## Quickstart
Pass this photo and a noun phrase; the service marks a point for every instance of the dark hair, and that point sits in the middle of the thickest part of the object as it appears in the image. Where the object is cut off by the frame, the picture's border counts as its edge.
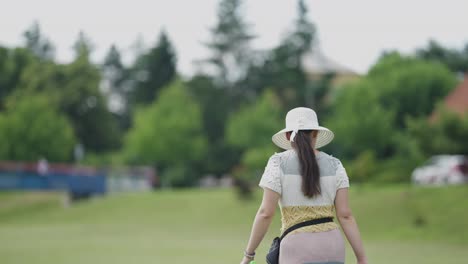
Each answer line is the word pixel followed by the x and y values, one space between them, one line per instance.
pixel 309 168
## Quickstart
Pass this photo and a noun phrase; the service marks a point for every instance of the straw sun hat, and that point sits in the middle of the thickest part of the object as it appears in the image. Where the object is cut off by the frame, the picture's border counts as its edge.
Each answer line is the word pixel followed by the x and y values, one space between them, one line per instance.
pixel 302 118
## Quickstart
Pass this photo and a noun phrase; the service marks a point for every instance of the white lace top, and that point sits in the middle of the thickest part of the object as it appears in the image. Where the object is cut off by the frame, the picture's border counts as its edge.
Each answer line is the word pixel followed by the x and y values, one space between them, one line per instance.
pixel 282 175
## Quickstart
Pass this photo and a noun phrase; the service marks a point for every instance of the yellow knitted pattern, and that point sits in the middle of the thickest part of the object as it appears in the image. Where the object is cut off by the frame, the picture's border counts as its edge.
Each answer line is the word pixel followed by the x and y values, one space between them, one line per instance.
pixel 291 215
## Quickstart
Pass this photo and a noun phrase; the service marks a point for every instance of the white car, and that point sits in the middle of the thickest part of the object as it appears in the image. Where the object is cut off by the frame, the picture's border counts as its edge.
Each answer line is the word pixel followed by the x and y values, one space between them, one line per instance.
pixel 442 169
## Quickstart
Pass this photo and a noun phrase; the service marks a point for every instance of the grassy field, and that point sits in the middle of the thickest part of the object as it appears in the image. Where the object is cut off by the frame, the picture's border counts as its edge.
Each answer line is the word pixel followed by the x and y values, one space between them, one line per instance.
pixel 400 224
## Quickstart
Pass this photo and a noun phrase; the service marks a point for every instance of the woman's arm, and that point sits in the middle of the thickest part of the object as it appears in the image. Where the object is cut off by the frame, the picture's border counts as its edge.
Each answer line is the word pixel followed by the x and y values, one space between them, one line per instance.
pixel 262 220
pixel 349 225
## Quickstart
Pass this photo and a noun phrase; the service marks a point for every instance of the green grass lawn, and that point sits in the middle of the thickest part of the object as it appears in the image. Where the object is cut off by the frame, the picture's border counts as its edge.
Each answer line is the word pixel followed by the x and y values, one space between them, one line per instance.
pixel 400 224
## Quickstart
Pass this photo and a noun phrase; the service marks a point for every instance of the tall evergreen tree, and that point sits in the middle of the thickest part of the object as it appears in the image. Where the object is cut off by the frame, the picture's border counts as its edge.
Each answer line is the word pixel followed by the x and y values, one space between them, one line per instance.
pixel 153 70
pixel 229 44
pixel 303 35
pixel 114 68
pixel 37 43
pixel 115 85
pixel 81 99
pixel 281 69
pixel 83 46
pixel 213 102
pixel 289 55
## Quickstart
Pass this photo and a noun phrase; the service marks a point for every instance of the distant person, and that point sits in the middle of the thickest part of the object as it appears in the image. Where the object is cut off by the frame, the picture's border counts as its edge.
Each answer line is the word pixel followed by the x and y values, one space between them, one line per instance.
pixel 309 185
pixel 42 167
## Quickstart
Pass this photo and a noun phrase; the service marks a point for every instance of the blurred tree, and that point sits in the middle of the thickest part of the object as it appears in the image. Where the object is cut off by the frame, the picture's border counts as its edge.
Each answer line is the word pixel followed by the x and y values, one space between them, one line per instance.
pixel 114 72
pixel 364 167
pixel 168 133
pixel 455 60
pixel 213 100
pixel 138 46
pixel 246 130
pixel 37 43
pixel 230 55
pixel 318 92
pixel 360 122
pixel 446 135
pixel 81 100
pixel 116 86
pixel 32 128
pixel 370 114
pixel 282 69
pixel 260 118
pixel 153 70
pixel 229 45
pixel 74 88
pixel 301 38
pixel 409 86
pixel 82 46
pixel 13 63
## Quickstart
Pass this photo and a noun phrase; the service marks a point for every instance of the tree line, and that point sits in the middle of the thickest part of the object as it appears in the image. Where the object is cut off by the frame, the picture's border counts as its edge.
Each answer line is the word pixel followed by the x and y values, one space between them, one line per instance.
pixel 220 120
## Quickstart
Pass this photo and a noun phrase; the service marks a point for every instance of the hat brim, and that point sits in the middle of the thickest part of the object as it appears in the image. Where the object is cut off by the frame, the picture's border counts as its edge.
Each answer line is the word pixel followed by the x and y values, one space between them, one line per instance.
pixel 324 137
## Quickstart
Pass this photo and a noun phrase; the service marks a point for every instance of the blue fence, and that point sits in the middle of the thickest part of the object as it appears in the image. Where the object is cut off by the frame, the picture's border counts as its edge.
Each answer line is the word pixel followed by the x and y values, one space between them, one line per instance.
pixel 78 180
pixel 75 184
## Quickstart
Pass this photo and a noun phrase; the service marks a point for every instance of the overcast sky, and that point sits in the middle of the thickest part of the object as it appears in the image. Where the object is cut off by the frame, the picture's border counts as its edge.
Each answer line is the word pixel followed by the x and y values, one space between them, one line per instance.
pixel 353 33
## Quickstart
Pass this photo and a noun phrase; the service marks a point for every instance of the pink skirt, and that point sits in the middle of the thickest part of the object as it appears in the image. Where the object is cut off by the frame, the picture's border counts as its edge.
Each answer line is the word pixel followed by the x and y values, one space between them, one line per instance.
pixel 313 248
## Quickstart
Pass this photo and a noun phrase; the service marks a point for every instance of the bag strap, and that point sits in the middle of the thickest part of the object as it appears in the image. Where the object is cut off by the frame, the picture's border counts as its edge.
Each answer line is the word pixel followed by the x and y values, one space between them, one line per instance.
pixel 307 223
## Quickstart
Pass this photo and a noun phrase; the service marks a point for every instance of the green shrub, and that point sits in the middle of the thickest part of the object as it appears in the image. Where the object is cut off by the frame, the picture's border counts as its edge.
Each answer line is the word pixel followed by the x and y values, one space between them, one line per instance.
pixel 363 168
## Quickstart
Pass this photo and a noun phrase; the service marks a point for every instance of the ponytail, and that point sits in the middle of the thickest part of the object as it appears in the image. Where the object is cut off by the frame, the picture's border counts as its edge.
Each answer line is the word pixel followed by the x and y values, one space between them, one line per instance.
pixel 309 168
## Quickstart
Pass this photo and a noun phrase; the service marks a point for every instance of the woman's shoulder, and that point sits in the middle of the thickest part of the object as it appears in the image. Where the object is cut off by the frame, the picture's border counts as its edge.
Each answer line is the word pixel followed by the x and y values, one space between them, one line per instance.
pixel 283 156
pixel 329 160
pixel 279 159
pixel 292 153
pixel 327 156
pixel 284 153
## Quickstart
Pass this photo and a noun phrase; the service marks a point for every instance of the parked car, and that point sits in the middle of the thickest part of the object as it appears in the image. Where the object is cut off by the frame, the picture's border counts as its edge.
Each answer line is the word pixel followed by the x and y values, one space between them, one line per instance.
pixel 442 169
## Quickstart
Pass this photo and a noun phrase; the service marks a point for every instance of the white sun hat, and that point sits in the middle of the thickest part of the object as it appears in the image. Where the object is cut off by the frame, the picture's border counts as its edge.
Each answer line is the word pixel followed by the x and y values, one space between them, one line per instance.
pixel 302 118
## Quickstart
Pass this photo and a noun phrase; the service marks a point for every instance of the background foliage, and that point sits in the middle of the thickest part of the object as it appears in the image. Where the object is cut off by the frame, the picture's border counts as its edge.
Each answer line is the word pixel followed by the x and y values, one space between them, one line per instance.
pixel 220 120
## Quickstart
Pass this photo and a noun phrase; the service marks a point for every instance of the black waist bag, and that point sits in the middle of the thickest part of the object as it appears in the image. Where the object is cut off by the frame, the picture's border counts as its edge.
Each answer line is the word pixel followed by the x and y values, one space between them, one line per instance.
pixel 273 255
